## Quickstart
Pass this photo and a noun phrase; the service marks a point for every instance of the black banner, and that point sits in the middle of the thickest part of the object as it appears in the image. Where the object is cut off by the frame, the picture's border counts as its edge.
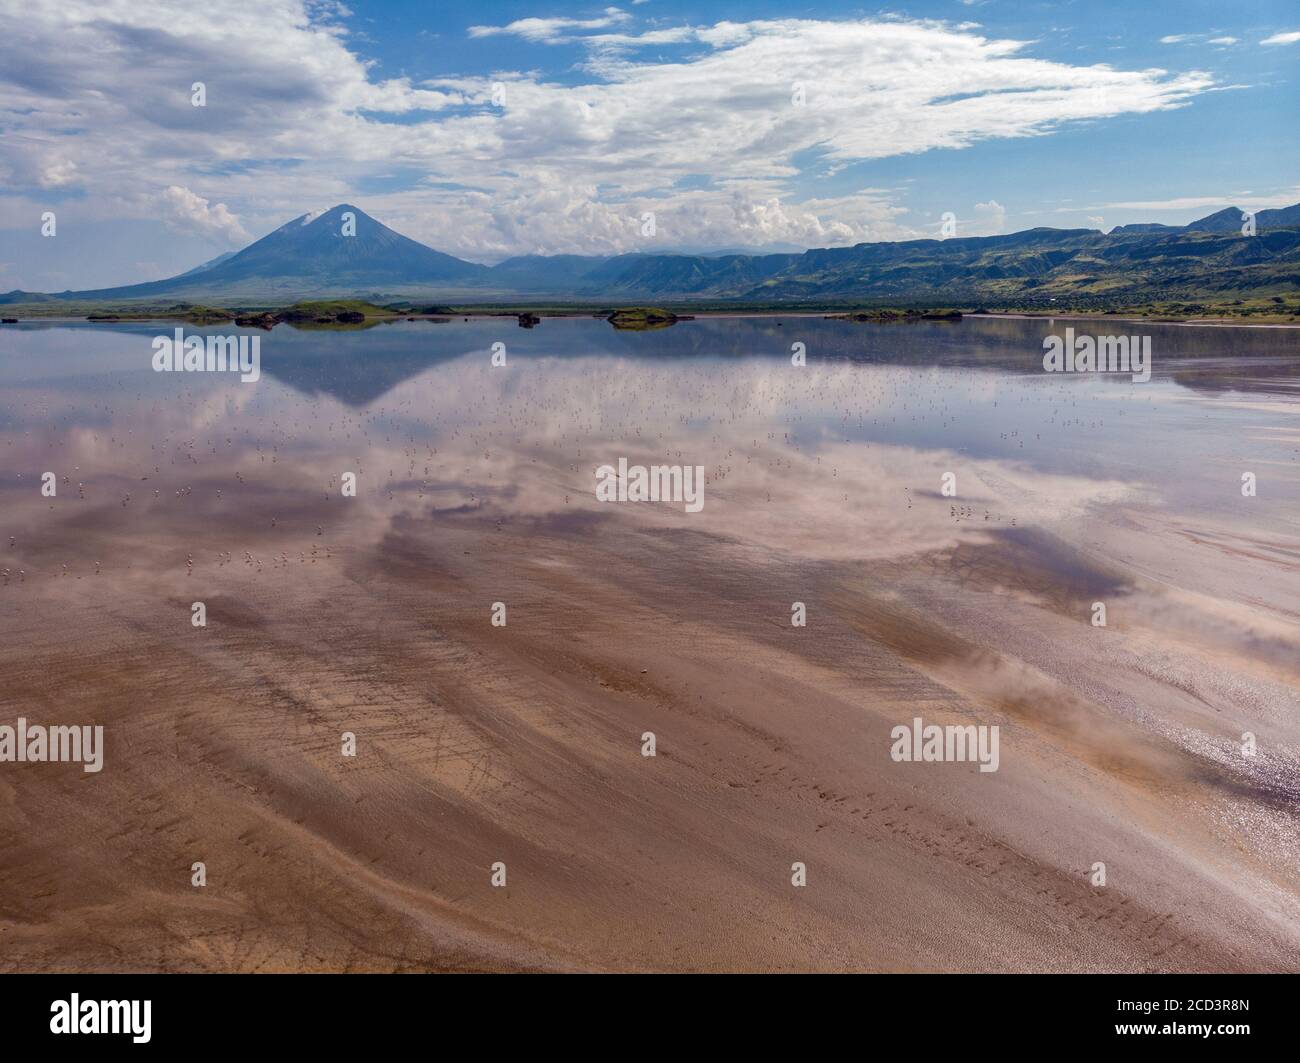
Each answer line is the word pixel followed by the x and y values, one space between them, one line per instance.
pixel 985 1013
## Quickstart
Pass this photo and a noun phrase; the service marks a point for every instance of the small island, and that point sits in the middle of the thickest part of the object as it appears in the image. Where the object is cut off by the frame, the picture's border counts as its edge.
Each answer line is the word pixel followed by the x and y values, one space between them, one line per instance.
pixel 331 313
pixel 888 315
pixel 642 318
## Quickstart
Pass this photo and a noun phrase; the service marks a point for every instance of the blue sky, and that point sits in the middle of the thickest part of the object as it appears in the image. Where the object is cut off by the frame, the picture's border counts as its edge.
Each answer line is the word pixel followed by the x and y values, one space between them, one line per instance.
pixel 492 129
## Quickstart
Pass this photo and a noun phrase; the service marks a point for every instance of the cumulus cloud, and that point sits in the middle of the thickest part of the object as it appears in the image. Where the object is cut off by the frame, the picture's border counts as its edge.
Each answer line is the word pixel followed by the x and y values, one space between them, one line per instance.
pixel 991 218
pixel 1282 38
pixel 189 212
pixel 97 95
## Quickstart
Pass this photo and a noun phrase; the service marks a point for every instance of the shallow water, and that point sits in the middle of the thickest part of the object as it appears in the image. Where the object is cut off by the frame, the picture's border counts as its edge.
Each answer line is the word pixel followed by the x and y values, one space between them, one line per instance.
pixel 824 484
pixel 1220 399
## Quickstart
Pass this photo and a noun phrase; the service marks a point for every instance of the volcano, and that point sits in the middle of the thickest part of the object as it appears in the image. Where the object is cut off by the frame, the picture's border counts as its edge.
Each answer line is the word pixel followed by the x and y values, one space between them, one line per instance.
pixel 339 251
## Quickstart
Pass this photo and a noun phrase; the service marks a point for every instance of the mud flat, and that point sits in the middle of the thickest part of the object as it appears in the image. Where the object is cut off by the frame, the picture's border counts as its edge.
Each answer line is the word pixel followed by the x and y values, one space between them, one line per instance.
pixel 522 744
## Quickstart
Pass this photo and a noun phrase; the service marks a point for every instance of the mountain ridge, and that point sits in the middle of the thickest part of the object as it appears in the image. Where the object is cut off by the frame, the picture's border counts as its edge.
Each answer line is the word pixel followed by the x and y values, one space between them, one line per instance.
pixel 344 251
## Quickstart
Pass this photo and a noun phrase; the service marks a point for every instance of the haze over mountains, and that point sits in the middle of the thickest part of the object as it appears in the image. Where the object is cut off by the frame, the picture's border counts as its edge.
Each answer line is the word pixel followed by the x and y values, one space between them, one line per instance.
pixel 312 256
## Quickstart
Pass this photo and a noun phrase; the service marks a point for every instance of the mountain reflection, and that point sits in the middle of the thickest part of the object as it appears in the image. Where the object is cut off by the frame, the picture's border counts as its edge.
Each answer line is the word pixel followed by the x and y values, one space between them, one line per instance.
pixel 357 367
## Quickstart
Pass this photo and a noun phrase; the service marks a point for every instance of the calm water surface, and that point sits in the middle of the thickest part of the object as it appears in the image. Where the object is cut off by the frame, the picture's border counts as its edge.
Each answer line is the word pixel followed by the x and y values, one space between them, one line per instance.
pixel 1221 401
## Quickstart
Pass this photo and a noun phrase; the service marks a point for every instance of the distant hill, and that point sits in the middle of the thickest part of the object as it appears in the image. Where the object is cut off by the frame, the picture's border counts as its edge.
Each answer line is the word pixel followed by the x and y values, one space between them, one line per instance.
pixel 1208 258
pixel 1229 220
pixel 314 249
pixel 544 271
pixel 1145 227
pixel 310 257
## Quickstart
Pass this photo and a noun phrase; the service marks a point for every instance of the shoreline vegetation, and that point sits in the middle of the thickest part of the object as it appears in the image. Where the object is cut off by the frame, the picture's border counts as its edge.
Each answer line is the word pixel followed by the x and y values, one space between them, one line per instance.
pixel 644 318
pixel 890 315
pixel 361 313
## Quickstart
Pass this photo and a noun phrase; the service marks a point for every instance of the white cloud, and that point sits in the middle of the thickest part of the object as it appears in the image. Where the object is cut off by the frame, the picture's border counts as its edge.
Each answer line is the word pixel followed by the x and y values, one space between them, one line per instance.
pixel 183 209
pixel 1213 201
pixel 991 218
pixel 57 173
pixel 551 30
pixel 1282 38
pixel 1186 38
pixel 97 98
